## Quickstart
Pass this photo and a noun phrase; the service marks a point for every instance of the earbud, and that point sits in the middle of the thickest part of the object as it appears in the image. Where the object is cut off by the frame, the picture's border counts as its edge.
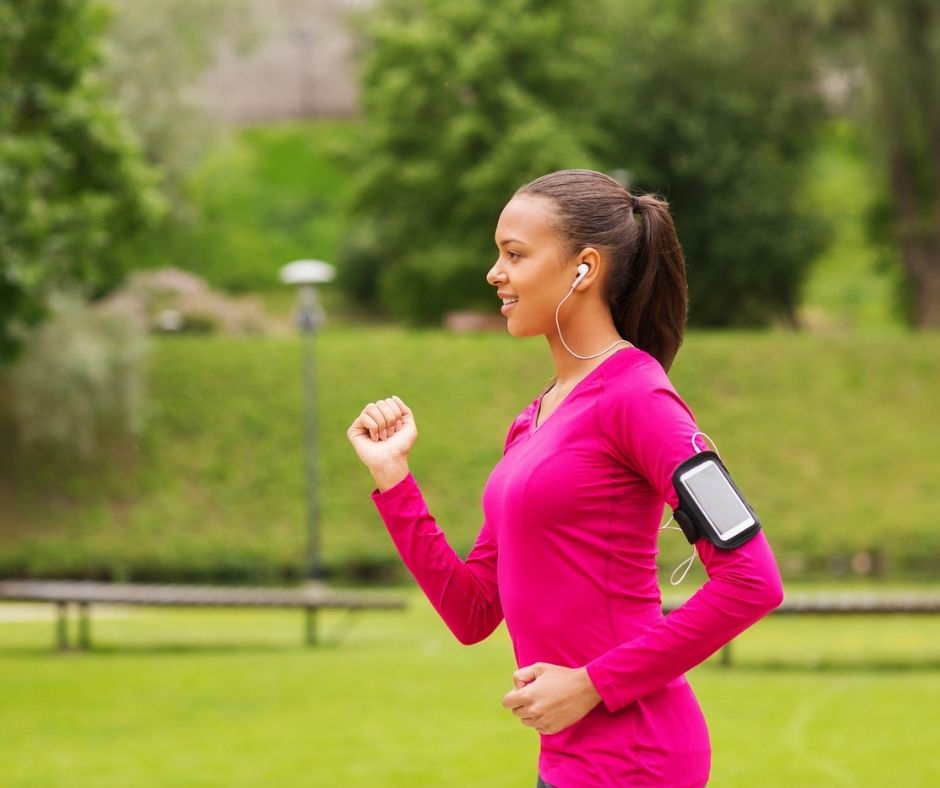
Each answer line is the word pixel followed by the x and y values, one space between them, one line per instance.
pixel 582 272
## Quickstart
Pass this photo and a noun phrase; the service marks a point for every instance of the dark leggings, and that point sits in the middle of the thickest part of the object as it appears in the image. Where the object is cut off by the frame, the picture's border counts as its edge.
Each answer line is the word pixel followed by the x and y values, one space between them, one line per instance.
pixel 542 784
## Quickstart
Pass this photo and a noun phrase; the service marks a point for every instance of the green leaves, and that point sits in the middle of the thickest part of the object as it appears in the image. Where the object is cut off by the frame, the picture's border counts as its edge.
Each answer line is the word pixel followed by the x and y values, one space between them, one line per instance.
pixel 710 104
pixel 72 184
pixel 463 105
pixel 716 111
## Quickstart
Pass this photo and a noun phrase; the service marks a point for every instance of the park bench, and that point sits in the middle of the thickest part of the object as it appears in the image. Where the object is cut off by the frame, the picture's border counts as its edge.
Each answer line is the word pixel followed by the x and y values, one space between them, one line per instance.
pixel 845 603
pixel 85 594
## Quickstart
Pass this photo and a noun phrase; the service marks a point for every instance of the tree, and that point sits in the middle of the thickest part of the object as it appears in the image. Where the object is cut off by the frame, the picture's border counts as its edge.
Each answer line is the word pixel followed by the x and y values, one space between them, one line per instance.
pixel 154 54
pixel 714 105
pixel 463 104
pixel 711 104
pixel 893 51
pixel 73 186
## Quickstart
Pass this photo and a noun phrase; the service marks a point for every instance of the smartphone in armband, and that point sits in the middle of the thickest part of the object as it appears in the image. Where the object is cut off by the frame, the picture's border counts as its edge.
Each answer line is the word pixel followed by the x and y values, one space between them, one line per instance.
pixel 710 504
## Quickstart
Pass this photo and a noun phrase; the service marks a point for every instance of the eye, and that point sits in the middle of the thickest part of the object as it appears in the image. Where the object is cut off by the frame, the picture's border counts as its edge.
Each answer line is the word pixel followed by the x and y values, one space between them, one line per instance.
pixel 513 255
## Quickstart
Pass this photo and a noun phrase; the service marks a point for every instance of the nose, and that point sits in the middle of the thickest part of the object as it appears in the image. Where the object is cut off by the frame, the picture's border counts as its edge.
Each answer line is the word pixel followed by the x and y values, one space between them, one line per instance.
pixel 494 274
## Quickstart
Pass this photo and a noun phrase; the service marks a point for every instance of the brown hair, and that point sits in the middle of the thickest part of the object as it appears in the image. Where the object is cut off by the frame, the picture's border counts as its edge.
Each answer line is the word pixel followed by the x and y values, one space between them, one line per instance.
pixel 646 288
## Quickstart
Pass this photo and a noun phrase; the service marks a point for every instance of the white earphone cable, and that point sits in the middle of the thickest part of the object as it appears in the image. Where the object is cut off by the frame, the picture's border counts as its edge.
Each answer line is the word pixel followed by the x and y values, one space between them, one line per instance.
pixel 558 326
pixel 686 565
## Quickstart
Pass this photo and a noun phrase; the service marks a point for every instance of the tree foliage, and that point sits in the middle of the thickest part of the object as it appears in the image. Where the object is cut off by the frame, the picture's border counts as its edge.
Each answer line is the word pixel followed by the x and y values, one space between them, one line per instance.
pixel 154 55
pixel 463 104
pixel 710 104
pixel 714 105
pixel 891 56
pixel 73 186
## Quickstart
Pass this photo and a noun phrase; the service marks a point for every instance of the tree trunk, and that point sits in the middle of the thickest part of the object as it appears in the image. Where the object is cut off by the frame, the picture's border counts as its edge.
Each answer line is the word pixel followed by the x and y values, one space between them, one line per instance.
pixel 923 266
pixel 920 245
pixel 914 161
pixel 927 306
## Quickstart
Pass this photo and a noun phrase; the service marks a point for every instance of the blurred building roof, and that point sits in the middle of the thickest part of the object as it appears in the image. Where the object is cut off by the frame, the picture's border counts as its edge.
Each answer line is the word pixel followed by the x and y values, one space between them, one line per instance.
pixel 300 65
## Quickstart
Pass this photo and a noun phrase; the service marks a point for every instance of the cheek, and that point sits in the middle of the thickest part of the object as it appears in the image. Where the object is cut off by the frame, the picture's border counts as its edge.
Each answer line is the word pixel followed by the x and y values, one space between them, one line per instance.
pixel 533 315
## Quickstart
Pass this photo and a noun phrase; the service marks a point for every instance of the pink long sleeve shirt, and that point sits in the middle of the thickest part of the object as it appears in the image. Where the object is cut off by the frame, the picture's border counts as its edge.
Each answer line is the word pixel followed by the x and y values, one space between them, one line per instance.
pixel 567 555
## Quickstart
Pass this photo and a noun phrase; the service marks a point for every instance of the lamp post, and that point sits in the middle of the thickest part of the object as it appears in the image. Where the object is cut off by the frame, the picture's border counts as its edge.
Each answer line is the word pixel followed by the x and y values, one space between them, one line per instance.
pixel 305 275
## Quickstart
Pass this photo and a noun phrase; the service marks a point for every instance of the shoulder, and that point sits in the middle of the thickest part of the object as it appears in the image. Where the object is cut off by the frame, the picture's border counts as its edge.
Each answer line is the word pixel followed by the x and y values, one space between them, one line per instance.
pixel 633 374
pixel 643 421
pixel 635 385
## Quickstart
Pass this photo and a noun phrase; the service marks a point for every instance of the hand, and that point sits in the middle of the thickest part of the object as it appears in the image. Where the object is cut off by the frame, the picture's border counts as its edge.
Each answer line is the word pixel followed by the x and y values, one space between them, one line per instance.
pixel 382 436
pixel 549 698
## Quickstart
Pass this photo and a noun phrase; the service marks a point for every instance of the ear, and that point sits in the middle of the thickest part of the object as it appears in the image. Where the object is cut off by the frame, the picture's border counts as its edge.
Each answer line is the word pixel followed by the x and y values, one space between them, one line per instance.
pixel 592 258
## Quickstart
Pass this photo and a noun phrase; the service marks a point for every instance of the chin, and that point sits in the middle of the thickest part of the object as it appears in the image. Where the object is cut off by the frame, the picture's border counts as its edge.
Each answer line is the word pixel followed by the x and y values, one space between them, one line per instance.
pixel 517 329
pixel 521 334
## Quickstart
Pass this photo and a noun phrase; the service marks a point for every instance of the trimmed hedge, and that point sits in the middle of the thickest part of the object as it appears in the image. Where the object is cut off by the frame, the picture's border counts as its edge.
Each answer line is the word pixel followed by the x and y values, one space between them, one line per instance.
pixel 834 439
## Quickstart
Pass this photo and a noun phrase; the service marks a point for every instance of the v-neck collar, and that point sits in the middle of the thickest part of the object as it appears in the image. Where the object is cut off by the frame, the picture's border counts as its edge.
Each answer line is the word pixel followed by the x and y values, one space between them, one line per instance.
pixel 538 403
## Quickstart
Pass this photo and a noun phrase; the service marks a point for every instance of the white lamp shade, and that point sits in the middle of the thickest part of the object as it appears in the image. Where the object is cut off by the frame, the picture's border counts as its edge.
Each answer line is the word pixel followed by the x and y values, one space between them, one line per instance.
pixel 306 272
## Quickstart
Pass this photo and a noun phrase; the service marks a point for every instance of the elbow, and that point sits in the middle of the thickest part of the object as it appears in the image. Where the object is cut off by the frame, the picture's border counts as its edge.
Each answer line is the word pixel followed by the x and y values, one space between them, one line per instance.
pixel 757 594
pixel 773 594
pixel 767 593
pixel 760 579
pixel 773 585
pixel 469 638
pixel 472 635
pixel 477 628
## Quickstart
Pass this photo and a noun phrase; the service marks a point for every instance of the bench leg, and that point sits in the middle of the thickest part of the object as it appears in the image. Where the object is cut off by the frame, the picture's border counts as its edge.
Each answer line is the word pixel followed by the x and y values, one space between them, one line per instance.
pixel 84 626
pixel 310 616
pixel 62 626
pixel 726 655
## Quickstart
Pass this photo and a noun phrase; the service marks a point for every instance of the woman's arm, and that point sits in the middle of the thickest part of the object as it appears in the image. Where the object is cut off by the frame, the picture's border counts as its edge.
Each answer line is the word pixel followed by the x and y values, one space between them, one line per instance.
pixel 464 593
pixel 743 586
pixel 652 431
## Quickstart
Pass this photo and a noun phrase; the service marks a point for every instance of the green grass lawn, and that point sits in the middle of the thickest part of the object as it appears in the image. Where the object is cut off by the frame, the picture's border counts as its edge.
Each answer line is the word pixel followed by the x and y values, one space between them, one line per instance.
pixel 232 698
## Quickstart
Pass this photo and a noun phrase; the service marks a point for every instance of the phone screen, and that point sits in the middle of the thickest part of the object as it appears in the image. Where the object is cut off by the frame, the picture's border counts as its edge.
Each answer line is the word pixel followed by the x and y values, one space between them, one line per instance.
pixel 717 498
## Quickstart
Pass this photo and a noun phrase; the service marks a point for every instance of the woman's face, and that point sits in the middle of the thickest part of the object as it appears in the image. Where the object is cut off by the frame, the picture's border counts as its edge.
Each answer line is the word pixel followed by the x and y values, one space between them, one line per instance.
pixel 531 266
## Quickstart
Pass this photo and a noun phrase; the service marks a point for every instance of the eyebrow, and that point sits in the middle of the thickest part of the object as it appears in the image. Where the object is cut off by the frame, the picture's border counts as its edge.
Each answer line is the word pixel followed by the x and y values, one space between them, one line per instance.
pixel 507 241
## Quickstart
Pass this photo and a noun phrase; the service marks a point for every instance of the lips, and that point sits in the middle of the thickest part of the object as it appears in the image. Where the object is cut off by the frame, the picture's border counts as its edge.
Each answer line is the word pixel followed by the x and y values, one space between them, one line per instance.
pixel 508 306
pixel 509 301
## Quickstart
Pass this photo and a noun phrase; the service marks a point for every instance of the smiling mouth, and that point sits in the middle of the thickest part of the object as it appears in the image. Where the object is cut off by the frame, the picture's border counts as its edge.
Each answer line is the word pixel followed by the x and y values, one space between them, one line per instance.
pixel 507 306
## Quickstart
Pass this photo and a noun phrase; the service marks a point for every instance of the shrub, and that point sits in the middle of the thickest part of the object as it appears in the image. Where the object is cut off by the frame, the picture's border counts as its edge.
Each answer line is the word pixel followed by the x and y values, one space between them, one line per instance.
pixel 80 379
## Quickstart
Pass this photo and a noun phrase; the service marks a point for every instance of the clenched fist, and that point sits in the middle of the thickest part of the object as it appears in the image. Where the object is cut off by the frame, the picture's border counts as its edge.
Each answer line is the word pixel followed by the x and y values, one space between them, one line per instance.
pixel 382 436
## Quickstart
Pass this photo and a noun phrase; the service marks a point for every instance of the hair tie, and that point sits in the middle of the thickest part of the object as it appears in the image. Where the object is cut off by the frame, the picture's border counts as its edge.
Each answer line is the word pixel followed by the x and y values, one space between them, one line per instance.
pixel 636 204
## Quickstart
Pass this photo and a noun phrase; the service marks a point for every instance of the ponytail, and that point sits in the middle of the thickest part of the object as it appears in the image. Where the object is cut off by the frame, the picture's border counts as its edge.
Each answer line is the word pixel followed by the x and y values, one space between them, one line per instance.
pixel 646 288
pixel 649 297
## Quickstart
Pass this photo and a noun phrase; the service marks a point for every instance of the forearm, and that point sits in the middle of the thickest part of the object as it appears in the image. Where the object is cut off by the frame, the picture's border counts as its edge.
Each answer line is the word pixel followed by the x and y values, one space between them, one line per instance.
pixel 464 593
pixel 743 586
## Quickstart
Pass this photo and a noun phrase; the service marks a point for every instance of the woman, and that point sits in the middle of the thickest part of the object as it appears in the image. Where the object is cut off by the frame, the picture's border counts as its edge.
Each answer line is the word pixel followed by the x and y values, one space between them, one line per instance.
pixel 572 511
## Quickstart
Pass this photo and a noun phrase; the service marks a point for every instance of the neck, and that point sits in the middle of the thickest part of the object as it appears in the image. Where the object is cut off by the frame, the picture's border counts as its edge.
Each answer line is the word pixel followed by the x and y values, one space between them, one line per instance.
pixel 590 333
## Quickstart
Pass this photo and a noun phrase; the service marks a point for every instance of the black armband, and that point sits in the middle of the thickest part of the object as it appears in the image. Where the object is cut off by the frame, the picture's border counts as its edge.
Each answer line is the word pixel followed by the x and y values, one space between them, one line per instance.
pixel 710 504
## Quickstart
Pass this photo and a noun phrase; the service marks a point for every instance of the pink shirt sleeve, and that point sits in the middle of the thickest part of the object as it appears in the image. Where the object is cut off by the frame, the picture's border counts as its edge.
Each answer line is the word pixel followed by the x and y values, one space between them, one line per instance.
pixel 465 593
pixel 650 429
